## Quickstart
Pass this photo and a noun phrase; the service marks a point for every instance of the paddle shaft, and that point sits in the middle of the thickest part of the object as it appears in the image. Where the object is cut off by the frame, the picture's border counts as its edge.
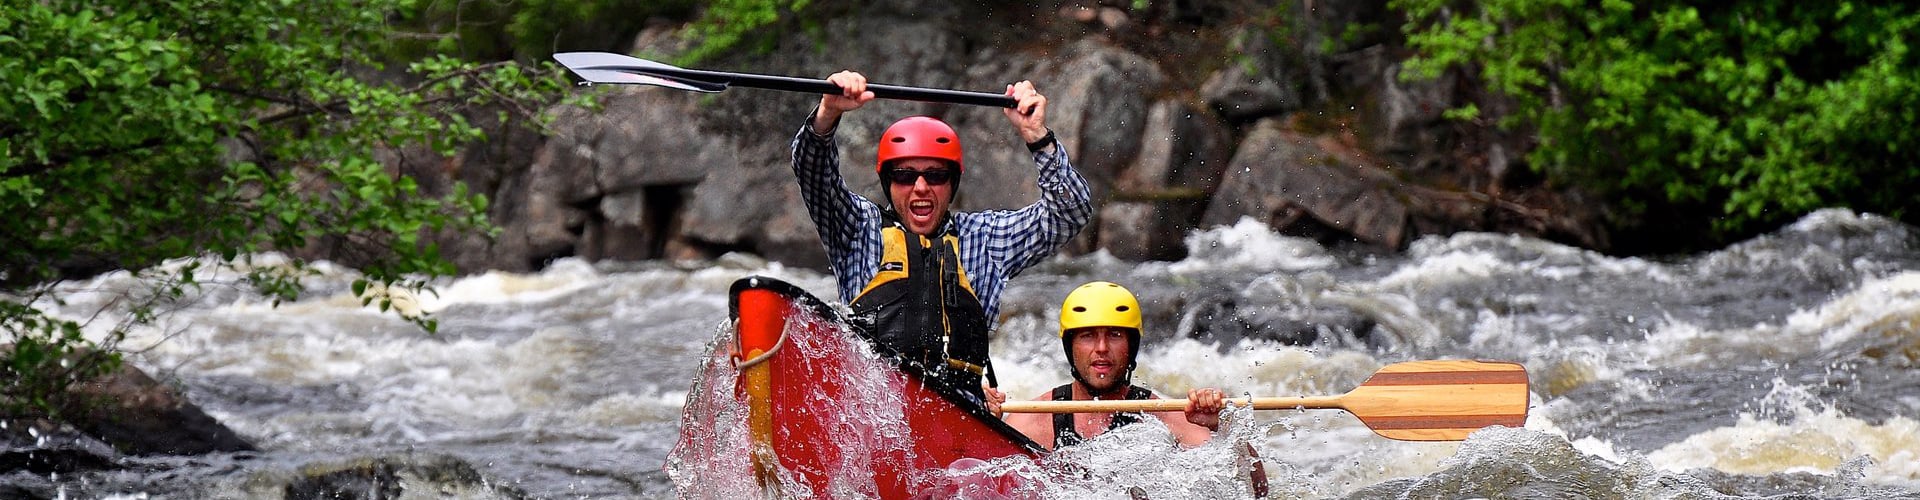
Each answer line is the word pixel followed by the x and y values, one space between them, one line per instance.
pixel 1152 405
pixel 817 86
pixel 1443 400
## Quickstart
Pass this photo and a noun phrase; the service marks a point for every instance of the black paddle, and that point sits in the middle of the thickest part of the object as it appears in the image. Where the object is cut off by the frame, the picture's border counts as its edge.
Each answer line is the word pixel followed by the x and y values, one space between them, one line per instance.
pixel 605 67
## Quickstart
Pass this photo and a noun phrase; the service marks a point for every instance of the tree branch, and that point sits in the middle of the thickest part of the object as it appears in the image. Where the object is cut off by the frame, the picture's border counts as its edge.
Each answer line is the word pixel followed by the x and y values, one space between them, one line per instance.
pixel 303 107
pixel 57 161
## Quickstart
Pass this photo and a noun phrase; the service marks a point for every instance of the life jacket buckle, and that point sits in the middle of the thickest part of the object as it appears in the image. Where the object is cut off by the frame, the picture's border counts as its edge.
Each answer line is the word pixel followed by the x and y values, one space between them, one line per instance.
pixel 969 367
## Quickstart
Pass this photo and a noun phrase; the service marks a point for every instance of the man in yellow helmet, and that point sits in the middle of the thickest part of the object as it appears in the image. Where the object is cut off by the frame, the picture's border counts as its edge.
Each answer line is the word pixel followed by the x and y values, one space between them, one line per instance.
pixel 1100 329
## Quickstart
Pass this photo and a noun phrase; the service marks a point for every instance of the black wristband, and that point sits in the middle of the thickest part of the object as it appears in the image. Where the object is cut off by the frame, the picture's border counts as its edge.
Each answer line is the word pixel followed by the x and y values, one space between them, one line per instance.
pixel 1036 146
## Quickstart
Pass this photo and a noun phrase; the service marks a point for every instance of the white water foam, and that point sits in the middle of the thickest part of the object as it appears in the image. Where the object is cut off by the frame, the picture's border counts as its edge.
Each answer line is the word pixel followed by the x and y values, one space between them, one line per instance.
pixel 562 277
pixel 1475 256
pixel 1809 437
pixel 1250 246
pixel 1880 319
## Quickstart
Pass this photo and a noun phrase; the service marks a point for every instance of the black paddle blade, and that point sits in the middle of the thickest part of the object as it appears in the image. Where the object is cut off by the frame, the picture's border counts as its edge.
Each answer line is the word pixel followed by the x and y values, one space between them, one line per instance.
pixel 604 67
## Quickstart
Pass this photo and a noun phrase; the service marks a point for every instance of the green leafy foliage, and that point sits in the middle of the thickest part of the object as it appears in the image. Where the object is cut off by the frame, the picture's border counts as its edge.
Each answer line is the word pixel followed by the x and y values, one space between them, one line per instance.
pixel 724 25
pixel 1759 110
pixel 138 131
pixel 531 30
pixel 35 369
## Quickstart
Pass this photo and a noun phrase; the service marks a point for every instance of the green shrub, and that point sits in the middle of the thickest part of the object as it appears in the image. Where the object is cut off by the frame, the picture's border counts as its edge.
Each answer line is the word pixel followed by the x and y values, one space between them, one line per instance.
pixel 531 30
pixel 137 131
pixel 1758 111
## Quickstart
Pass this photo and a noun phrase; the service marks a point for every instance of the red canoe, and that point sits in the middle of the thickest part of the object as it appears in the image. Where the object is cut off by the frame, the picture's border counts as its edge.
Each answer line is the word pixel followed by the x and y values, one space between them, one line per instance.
pixel 828 418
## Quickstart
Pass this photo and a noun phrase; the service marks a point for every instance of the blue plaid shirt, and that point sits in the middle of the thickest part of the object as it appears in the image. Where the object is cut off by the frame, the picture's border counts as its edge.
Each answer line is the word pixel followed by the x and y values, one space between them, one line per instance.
pixel 995 245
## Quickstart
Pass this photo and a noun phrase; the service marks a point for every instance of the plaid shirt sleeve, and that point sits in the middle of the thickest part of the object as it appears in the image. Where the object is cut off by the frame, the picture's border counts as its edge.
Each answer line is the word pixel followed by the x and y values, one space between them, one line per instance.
pixel 996 245
pixel 849 224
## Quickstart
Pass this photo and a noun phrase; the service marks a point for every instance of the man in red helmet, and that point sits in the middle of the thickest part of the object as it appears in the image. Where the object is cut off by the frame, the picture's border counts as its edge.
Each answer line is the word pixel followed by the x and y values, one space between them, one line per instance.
pixel 924 281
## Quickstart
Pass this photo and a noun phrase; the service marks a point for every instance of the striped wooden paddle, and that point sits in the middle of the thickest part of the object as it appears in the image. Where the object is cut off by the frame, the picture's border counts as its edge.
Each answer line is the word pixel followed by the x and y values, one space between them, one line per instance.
pixel 1442 400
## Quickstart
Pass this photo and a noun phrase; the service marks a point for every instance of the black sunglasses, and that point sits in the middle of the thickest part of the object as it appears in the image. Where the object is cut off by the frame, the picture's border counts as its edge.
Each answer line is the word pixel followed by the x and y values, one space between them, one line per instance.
pixel 905 177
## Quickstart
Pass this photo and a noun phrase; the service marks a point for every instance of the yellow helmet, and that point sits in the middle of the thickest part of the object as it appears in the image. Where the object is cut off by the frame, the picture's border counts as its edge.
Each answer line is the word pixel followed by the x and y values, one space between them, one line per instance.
pixel 1099 304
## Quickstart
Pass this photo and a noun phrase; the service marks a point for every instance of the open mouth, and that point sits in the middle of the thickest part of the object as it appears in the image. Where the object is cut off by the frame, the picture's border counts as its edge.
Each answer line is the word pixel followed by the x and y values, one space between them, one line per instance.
pixel 1102 368
pixel 921 209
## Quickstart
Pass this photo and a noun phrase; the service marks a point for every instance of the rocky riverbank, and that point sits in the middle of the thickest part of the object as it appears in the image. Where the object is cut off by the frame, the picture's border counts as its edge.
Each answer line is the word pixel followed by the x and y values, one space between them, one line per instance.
pixel 1195 116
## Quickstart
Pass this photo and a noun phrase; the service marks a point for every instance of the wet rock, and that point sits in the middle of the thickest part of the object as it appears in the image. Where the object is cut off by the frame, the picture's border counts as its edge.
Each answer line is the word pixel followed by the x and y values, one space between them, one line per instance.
pixel 1228 319
pixel 42 448
pixel 406 476
pixel 18 492
pixel 140 416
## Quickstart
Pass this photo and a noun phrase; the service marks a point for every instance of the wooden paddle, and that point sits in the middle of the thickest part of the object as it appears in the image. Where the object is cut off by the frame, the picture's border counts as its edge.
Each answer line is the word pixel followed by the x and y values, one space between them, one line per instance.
pixel 1410 401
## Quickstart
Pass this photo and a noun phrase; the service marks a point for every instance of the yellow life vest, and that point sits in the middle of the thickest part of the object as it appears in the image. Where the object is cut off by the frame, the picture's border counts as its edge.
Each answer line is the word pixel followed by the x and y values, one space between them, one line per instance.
pixel 921 308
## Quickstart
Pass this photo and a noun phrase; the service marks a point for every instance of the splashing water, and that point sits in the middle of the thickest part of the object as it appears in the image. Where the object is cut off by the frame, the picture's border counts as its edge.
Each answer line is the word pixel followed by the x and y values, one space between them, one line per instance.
pixel 714 457
pixel 1780 366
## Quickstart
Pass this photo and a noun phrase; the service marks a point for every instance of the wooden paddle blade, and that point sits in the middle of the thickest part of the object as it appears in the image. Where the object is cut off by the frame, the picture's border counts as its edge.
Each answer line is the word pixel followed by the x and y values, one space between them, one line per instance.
pixel 1440 400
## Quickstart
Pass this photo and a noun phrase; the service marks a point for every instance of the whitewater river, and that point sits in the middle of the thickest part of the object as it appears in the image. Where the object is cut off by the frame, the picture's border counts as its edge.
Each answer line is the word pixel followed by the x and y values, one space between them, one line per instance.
pixel 1784 364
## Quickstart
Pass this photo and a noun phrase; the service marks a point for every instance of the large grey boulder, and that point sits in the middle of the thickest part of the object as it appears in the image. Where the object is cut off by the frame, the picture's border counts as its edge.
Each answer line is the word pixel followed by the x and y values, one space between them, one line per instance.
pixel 1162 194
pixel 141 416
pixel 1283 177
pixel 1262 78
pixel 385 477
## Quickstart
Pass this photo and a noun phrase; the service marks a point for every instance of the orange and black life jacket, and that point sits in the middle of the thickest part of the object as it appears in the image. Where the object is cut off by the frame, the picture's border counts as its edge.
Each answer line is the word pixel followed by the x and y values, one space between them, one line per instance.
pixel 921 309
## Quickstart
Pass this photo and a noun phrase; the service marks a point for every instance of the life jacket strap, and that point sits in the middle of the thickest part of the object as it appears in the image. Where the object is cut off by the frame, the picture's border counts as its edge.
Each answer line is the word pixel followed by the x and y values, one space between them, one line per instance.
pixel 965 366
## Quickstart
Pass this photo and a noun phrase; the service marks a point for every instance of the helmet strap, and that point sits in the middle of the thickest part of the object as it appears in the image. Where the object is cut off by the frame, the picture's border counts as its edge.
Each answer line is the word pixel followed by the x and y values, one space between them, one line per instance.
pixel 1126 376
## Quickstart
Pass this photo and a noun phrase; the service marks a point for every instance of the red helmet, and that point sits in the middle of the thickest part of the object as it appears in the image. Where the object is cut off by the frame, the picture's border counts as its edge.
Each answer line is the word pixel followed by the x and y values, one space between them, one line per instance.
pixel 919 137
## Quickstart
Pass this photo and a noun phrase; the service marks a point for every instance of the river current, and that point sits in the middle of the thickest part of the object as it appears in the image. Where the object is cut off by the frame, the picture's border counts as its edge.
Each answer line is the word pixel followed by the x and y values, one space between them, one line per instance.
pixel 1786 364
